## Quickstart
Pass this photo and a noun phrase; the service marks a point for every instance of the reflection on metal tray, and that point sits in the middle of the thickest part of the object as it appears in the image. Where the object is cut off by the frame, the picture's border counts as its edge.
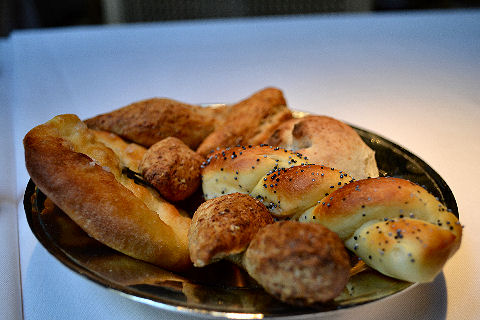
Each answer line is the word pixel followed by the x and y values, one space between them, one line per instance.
pixel 221 289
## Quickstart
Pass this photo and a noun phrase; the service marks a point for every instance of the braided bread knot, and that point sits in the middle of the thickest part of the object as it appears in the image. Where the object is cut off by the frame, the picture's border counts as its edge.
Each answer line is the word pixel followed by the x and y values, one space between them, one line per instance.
pixel 395 226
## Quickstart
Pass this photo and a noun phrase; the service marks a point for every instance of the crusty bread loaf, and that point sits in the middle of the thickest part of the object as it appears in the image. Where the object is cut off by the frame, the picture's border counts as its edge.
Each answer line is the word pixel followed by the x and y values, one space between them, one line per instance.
pixel 250 121
pixel 299 263
pixel 389 222
pixel 224 226
pixel 327 141
pixel 172 168
pixel 239 169
pixel 84 178
pixel 149 121
pixel 289 191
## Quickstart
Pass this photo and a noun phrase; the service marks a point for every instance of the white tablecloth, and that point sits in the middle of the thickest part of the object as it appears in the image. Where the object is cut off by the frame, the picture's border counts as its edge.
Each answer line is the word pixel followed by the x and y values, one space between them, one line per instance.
pixel 413 78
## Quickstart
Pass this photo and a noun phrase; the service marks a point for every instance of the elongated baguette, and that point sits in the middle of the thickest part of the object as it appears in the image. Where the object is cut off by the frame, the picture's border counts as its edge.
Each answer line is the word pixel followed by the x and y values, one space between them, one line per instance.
pixel 250 121
pixel 84 178
pixel 148 121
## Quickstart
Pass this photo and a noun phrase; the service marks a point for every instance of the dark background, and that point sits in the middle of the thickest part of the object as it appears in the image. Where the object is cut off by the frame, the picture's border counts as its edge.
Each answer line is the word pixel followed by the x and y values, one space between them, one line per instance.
pixel 22 14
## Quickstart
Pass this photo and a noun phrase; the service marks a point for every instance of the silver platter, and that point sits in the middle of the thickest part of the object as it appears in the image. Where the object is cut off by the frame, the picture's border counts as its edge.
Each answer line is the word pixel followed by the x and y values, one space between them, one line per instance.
pixel 222 289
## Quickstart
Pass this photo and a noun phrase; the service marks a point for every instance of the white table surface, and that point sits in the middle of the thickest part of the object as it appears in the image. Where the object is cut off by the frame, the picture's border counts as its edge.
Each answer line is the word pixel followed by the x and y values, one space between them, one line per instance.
pixel 413 78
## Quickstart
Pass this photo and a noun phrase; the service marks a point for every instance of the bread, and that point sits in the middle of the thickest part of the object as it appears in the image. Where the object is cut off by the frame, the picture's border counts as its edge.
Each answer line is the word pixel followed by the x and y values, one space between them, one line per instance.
pixel 315 193
pixel 250 121
pixel 282 180
pixel 84 178
pixel 394 225
pixel 224 226
pixel 239 169
pixel 406 249
pixel 129 154
pixel 296 262
pixel 327 141
pixel 172 168
pixel 287 192
pixel 299 263
pixel 149 121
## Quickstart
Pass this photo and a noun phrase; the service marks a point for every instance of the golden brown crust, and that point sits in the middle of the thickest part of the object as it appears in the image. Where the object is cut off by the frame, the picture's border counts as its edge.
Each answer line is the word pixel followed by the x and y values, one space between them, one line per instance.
pixel 224 226
pixel 281 179
pixel 250 121
pixel 424 226
pixel 298 263
pixel 129 154
pixel 239 169
pixel 149 121
pixel 290 191
pixel 327 141
pixel 172 168
pixel 351 206
pixel 83 177
pixel 407 249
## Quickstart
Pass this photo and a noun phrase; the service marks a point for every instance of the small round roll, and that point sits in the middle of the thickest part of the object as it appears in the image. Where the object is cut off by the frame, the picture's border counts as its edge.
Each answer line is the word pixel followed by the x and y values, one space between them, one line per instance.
pixel 172 168
pixel 239 169
pixel 424 229
pixel 223 227
pixel 329 142
pixel 289 191
pixel 299 263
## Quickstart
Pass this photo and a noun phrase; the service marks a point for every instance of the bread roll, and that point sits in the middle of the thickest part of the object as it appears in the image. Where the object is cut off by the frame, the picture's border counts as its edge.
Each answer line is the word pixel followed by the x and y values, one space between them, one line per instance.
pixel 299 263
pixel 362 213
pixel 224 226
pixel 84 178
pixel 172 168
pixel 239 169
pixel 327 141
pixel 289 191
pixel 149 121
pixel 406 249
pixel 250 121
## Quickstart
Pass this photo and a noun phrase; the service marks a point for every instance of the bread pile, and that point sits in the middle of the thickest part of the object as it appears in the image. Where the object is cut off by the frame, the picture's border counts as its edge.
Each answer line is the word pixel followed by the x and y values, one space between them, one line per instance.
pixel 284 197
